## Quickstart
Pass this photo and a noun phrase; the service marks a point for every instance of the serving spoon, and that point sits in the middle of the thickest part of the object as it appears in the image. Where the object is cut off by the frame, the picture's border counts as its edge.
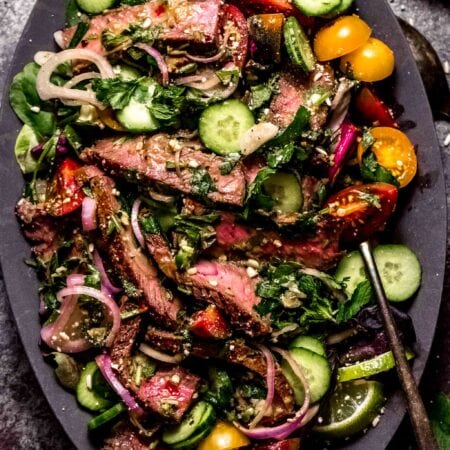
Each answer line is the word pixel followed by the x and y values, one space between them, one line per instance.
pixel 417 413
pixel 431 71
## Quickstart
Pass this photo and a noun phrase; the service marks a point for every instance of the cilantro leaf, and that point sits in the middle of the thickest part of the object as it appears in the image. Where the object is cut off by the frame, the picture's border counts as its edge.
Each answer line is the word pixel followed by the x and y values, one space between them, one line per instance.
pixel 440 420
pixel 279 156
pixel 373 171
pixel 260 94
pixel 201 182
pixel 255 192
pixel 115 92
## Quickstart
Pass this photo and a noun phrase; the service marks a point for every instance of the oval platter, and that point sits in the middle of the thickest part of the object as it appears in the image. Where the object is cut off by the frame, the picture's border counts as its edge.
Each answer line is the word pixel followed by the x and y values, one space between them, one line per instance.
pixel 421 221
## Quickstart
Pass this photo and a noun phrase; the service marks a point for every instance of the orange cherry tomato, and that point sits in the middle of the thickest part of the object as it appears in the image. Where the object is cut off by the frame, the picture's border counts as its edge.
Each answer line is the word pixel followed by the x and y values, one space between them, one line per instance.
pixel 108 118
pixel 373 61
pixel 394 151
pixel 343 36
pixel 224 436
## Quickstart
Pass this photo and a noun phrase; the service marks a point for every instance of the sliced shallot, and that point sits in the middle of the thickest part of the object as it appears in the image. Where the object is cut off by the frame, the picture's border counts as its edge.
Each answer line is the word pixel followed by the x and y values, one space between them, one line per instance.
pixel 106 282
pixel 135 222
pixel 89 214
pixel 155 354
pixel 257 136
pixel 162 66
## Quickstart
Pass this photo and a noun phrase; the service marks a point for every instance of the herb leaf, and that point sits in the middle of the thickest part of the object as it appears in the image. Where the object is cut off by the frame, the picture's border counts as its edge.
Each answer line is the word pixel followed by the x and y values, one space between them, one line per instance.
pixel 362 296
pixel 201 182
pixel 115 92
pixel 371 170
pixel 440 420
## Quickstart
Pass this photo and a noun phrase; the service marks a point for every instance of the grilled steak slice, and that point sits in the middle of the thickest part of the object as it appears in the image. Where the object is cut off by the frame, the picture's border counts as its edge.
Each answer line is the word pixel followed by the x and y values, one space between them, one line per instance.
pixel 294 87
pixel 125 437
pixel 145 158
pixel 165 341
pixel 193 21
pixel 320 251
pixel 42 230
pixel 238 352
pixel 127 261
pixel 169 393
pixel 224 284
pixel 122 348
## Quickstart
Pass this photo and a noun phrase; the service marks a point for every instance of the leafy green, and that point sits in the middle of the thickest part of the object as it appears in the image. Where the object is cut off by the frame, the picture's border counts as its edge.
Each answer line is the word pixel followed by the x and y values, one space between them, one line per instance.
pixel 367 140
pixel 168 104
pixel 25 142
pixel 73 13
pixel 306 224
pixel 362 296
pixel 292 296
pixel 281 155
pixel 261 94
pixel 150 224
pixel 439 414
pixel 294 129
pixel 371 170
pixel 81 30
pixel 134 33
pixel 201 182
pixel 115 92
pixel 229 162
pixel 27 104
pixel 193 234
pixel 255 192
pixel 132 2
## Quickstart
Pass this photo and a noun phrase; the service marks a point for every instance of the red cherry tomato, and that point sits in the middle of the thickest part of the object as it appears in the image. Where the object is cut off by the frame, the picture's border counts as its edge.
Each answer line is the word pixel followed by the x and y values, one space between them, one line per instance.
pixel 239 30
pixel 372 109
pixel 65 192
pixel 210 324
pixel 363 209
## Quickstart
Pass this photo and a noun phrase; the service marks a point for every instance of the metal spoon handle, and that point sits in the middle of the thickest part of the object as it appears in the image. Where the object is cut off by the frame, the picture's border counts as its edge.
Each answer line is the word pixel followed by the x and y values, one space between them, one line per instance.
pixel 419 419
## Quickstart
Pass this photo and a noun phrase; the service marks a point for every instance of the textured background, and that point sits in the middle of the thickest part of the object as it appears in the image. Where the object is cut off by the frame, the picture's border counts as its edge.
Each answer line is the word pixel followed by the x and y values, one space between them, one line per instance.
pixel 26 421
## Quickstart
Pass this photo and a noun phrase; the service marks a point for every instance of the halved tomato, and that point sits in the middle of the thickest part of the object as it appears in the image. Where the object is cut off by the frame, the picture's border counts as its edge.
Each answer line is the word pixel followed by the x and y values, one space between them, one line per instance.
pixel 224 436
pixel 363 209
pixel 393 151
pixel 234 16
pixel 210 324
pixel 372 109
pixel 65 193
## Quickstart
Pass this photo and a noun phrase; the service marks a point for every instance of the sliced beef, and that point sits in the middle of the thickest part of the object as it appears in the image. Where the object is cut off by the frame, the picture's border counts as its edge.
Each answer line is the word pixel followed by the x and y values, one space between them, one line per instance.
pixel 320 251
pixel 165 341
pixel 226 285
pixel 126 260
pixel 169 393
pixel 294 87
pixel 123 346
pixel 144 159
pixel 239 353
pixel 125 437
pixel 194 21
pixel 41 229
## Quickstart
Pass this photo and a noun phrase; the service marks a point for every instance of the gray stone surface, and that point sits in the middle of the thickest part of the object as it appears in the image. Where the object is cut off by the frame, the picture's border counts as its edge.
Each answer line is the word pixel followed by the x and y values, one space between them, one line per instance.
pixel 26 421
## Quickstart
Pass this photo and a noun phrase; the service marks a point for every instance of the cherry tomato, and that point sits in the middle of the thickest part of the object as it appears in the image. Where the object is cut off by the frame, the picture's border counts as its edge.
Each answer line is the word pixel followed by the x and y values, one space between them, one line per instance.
pixel 286 444
pixel 109 119
pixel 372 109
pixel 373 61
pixel 364 209
pixel 394 151
pixel 343 36
pixel 239 30
pixel 224 436
pixel 66 194
pixel 210 324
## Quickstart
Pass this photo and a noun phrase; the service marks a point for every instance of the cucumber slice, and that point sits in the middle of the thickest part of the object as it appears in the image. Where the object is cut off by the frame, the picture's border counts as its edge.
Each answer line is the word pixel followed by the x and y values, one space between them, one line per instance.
pixel 200 418
pixel 297 45
pixel 345 4
pixel 399 269
pixel 95 6
pixel 137 118
pixel 285 190
pixel 106 416
pixel 222 125
pixel 309 343
pixel 192 441
pixel 315 8
pixel 86 395
pixel 316 369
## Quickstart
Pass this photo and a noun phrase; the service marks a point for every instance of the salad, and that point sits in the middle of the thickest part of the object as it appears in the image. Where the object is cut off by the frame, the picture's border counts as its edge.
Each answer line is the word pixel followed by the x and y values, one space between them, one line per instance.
pixel 198 175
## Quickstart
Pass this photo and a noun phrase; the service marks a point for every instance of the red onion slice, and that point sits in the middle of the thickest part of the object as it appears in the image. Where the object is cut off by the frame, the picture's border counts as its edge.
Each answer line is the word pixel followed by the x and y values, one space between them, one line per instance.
pixel 75 279
pixel 207 59
pixel 348 135
pixel 104 364
pixel 270 381
pixel 155 354
pixel 89 214
pixel 286 429
pixel 106 283
pixel 162 66
pixel 135 222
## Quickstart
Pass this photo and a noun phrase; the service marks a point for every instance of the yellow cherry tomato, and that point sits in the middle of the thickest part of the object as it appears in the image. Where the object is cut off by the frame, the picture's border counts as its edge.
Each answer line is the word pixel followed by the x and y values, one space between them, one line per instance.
pixel 108 118
pixel 373 61
pixel 393 151
pixel 341 37
pixel 224 436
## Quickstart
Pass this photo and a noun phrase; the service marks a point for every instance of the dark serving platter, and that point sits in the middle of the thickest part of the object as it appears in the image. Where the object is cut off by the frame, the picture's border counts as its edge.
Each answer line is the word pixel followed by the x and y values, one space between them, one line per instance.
pixel 420 222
